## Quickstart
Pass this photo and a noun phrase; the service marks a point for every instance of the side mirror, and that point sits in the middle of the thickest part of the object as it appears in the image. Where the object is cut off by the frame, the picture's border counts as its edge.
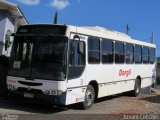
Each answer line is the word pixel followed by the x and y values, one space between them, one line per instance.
pixel 76 37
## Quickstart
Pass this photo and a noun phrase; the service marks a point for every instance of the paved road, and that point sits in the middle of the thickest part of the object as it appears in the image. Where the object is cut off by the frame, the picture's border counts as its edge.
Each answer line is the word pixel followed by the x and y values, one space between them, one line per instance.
pixel 117 105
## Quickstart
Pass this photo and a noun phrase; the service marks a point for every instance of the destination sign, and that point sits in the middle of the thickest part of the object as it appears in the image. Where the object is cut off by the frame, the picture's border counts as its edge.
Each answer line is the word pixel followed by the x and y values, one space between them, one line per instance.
pixel 42 29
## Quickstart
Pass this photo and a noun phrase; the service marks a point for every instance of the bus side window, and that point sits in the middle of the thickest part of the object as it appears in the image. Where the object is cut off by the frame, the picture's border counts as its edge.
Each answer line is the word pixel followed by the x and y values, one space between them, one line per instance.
pixel 76 59
pixel 93 50
pixel 145 55
pixel 138 54
pixel 152 55
pixel 129 53
pixel 119 52
pixel 107 51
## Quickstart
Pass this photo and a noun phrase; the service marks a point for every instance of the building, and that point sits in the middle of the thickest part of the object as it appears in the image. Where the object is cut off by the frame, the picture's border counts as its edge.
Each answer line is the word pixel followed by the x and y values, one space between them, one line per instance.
pixel 11 17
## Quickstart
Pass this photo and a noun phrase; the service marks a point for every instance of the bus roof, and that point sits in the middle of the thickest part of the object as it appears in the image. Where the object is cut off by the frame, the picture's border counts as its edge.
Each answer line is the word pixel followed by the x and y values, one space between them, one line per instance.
pixel 108 34
pixel 101 32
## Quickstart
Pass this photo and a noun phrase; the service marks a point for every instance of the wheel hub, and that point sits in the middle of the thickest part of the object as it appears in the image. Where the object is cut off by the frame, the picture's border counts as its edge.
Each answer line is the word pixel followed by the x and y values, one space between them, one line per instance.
pixel 89 97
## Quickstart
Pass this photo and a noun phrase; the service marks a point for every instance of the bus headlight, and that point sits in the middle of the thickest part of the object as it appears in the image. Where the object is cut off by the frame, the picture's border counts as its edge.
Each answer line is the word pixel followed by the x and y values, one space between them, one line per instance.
pixel 53 92
pixel 47 92
pixel 11 87
pixel 59 92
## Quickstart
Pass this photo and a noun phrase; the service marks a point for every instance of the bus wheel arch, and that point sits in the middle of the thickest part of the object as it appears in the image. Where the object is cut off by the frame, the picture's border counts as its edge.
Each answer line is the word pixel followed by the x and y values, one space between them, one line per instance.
pixel 89 98
pixel 90 95
pixel 94 84
pixel 139 78
pixel 137 87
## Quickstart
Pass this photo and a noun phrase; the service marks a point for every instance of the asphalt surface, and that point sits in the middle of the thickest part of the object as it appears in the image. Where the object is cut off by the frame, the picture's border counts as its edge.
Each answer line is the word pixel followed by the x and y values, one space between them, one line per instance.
pixel 112 107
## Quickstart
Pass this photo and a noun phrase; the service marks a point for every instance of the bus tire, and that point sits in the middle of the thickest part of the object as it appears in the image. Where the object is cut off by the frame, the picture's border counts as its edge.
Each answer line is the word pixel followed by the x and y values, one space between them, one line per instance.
pixel 89 98
pixel 137 88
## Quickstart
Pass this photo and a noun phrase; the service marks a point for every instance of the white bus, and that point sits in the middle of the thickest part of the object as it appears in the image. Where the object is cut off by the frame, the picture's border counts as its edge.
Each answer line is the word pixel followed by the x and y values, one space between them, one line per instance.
pixel 64 64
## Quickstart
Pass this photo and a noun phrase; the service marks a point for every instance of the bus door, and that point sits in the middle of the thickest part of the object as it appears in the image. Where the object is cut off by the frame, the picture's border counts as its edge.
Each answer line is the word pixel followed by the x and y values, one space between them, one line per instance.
pixel 76 70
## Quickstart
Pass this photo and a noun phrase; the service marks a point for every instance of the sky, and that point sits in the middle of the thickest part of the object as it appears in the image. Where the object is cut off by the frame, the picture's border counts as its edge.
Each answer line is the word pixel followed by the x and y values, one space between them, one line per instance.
pixel 142 16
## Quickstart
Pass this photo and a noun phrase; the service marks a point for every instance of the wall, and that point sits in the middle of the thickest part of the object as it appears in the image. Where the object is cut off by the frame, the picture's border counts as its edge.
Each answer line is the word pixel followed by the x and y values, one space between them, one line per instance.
pixel 3 16
pixel 10 22
pixel 7 22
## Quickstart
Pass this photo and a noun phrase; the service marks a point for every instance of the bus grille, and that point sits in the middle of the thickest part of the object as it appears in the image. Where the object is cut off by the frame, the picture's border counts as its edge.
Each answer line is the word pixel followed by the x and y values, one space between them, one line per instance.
pixel 35 91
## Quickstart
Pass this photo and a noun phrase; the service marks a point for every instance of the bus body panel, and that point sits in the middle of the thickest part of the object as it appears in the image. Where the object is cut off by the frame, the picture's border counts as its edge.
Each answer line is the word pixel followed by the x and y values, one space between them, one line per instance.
pixel 75 95
pixel 120 79
pixel 21 87
pixel 46 84
pixel 111 78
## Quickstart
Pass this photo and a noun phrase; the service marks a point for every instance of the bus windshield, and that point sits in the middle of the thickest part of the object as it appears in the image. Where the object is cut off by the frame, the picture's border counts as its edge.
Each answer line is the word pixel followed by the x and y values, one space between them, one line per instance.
pixel 39 57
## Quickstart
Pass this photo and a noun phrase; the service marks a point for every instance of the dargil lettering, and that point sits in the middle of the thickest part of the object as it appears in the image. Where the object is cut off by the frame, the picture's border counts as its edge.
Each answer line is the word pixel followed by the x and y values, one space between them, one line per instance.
pixel 125 73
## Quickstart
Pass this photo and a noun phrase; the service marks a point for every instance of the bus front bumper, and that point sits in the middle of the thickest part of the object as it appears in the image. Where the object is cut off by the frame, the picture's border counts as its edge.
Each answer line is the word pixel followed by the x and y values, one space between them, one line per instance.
pixel 51 99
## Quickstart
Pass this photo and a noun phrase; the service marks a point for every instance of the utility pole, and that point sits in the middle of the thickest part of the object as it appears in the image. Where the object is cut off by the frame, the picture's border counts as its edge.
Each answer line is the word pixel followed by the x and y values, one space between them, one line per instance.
pixel 152 39
pixel 56 17
pixel 127 29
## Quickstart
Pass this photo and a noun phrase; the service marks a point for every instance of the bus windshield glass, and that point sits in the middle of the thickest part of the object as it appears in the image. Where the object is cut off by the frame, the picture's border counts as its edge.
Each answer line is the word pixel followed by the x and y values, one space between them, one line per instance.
pixel 39 57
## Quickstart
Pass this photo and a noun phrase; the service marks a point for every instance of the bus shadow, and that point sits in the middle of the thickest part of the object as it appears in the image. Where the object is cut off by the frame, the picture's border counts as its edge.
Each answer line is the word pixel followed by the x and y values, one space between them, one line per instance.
pixel 28 107
pixel 152 99
pixel 107 98
pixel 99 100
pixel 33 107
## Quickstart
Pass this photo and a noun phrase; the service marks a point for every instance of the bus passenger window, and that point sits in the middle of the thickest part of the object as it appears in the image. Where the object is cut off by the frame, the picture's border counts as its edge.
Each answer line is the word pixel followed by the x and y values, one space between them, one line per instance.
pixel 152 55
pixel 145 54
pixel 138 54
pixel 129 53
pixel 119 52
pixel 93 50
pixel 107 51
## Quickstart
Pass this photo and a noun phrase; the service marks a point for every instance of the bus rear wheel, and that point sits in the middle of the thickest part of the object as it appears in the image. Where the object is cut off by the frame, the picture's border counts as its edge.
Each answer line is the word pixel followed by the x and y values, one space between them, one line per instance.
pixel 137 88
pixel 89 97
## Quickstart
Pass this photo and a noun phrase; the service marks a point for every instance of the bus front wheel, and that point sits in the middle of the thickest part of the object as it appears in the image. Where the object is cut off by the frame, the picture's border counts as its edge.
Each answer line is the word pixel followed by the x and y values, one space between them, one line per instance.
pixel 137 88
pixel 89 97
